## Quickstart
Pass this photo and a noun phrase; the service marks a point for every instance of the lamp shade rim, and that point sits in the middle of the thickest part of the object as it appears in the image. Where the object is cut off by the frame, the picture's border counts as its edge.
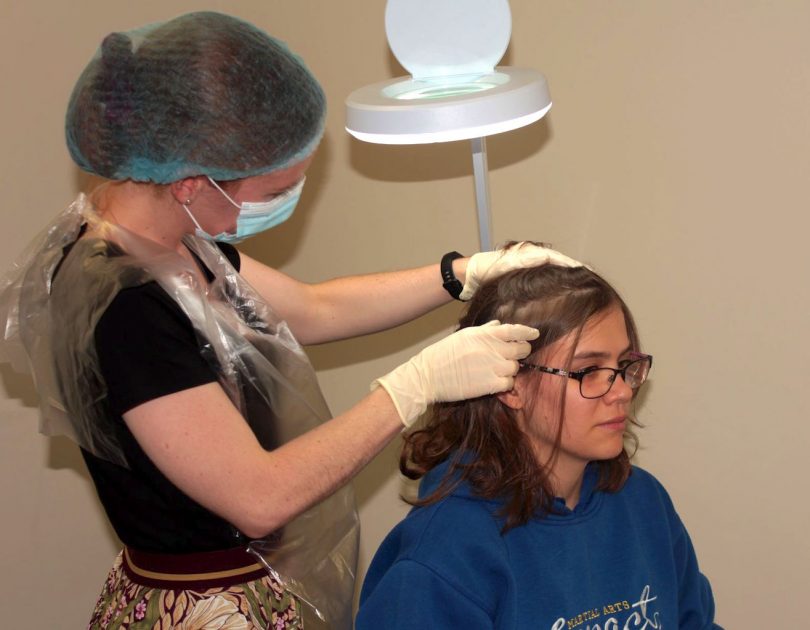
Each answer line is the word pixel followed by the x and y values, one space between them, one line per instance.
pixel 510 98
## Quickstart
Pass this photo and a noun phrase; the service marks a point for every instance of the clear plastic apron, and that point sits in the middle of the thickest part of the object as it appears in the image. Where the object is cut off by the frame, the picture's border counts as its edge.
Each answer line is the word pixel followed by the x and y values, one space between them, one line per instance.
pixel 49 329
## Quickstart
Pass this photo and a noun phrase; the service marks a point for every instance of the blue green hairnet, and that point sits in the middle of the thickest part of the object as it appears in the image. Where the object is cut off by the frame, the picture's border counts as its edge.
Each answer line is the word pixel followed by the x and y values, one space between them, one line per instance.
pixel 202 94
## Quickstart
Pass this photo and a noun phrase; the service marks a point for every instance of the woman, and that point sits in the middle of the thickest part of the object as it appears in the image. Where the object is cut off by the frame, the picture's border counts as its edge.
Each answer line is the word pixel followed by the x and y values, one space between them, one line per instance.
pixel 529 512
pixel 175 362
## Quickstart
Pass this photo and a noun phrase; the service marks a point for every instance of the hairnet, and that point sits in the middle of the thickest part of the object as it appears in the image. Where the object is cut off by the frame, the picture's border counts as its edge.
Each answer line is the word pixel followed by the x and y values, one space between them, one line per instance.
pixel 202 94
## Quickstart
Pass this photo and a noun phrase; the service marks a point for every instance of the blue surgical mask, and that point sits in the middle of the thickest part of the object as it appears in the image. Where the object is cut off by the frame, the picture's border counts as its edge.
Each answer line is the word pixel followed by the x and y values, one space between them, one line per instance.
pixel 254 216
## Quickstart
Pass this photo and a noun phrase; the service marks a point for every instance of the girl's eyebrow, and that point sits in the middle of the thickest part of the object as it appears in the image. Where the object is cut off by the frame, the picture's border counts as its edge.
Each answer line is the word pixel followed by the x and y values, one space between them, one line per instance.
pixel 591 355
pixel 594 354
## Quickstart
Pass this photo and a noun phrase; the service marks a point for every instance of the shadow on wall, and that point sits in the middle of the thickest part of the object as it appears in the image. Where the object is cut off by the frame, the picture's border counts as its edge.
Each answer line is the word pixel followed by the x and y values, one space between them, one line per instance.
pixel 384 344
pixel 63 454
pixel 637 411
pixel 280 245
pixel 19 386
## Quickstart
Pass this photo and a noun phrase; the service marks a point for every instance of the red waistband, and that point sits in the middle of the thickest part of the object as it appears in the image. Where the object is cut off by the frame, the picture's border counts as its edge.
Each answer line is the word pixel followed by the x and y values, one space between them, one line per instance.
pixel 199 571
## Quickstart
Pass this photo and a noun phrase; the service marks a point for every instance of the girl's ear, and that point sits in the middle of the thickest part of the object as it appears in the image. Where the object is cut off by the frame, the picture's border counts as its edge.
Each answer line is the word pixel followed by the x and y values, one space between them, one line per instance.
pixel 515 398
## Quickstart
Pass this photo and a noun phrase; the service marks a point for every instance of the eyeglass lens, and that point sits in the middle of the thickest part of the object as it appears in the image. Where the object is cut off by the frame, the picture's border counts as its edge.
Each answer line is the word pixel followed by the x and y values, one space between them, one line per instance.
pixel 597 383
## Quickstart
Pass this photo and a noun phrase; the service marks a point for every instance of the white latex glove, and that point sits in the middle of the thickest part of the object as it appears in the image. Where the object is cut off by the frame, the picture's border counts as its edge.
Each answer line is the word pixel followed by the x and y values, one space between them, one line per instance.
pixel 486 265
pixel 469 363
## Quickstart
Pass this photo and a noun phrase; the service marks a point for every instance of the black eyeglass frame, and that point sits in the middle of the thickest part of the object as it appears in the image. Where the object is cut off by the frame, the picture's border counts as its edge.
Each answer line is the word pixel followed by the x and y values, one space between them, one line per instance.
pixel 578 375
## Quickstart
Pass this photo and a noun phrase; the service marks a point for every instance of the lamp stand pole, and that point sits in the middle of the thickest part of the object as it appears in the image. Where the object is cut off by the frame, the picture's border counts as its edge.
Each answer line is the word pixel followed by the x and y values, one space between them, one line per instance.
pixel 482 199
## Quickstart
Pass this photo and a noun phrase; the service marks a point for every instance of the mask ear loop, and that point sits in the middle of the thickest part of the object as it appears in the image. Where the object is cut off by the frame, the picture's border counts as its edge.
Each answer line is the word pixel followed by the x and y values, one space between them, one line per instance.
pixel 188 212
pixel 215 185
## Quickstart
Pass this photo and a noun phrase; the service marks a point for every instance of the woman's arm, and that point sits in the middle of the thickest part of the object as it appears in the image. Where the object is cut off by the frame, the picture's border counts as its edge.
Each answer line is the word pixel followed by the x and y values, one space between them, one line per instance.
pixel 198 439
pixel 359 305
pixel 350 306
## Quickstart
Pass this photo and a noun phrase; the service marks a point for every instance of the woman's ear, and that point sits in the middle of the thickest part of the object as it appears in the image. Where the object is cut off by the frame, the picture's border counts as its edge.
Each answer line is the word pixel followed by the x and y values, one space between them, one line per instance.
pixel 185 190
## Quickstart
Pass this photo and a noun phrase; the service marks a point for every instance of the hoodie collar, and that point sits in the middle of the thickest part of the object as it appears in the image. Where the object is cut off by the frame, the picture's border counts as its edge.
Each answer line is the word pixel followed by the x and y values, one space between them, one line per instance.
pixel 586 492
pixel 435 478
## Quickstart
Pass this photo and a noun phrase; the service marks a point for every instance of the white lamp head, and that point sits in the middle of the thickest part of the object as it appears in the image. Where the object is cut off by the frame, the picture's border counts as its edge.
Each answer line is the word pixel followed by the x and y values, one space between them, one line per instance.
pixel 455 92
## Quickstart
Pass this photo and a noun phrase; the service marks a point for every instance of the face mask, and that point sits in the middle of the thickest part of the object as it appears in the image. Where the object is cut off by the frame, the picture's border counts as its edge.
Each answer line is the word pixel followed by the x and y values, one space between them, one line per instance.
pixel 254 216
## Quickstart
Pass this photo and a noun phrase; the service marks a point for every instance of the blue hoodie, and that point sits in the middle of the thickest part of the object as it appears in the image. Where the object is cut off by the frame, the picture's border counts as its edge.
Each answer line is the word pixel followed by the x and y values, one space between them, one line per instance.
pixel 617 561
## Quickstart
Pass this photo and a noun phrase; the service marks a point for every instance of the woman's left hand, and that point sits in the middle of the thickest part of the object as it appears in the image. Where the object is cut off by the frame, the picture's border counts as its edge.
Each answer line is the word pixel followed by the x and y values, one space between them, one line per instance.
pixel 486 265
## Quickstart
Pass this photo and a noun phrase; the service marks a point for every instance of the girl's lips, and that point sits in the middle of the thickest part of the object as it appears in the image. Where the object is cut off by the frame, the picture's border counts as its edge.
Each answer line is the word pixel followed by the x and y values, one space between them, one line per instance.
pixel 614 424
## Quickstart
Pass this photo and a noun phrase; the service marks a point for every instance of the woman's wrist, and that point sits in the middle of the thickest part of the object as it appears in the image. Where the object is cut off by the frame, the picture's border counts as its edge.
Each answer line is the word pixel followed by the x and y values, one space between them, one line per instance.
pixel 453 268
pixel 460 269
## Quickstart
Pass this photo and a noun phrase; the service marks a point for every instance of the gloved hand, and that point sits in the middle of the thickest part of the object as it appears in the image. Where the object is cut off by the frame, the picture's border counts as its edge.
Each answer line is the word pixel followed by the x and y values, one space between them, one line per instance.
pixel 469 363
pixel 486 265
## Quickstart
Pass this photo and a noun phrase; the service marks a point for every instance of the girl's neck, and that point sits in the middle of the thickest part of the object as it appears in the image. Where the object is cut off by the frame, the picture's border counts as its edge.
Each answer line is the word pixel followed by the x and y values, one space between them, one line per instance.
pixel 569 489
pixel 566 477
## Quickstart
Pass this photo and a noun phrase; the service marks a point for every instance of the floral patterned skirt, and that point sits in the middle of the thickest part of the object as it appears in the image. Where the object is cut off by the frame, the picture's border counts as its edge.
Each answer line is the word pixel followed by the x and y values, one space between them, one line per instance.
pixel 222 590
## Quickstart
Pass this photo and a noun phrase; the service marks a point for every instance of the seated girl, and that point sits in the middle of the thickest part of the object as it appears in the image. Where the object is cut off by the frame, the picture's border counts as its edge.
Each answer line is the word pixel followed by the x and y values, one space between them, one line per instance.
pixel 530 514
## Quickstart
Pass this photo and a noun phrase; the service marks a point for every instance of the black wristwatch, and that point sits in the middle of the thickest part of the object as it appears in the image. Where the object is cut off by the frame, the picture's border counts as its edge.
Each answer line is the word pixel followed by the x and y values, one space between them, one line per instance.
pixel 450 283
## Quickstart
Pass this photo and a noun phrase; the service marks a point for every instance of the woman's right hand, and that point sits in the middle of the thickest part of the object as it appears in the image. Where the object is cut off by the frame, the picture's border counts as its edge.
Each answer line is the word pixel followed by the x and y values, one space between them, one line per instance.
pixel 471 362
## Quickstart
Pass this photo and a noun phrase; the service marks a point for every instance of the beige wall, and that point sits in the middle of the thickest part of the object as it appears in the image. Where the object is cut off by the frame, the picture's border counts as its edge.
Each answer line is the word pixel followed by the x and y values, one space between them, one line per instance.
pixel 675 161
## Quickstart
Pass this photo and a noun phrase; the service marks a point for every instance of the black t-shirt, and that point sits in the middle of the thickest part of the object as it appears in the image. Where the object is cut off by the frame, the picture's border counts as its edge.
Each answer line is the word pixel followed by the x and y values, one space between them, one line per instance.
pixel 147 348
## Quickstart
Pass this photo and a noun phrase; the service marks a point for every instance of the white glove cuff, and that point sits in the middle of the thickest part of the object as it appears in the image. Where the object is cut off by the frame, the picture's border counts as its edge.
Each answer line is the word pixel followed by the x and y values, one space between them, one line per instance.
pixel 408 406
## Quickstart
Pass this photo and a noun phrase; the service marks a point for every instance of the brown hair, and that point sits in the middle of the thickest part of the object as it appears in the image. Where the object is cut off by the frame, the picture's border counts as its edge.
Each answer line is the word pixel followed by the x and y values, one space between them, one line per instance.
pixel 481 437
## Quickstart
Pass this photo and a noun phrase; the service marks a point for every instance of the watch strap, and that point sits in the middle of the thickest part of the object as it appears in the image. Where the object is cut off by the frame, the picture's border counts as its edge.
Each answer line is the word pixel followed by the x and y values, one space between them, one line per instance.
pixel 450 283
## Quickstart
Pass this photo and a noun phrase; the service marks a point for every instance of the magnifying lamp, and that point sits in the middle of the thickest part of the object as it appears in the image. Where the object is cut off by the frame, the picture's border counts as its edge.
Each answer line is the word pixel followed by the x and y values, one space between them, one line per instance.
pixel 455 91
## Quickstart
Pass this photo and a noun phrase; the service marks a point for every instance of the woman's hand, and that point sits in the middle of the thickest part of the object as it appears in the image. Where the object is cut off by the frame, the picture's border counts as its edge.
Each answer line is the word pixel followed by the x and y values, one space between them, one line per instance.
pixel 486 265
pixel 472 362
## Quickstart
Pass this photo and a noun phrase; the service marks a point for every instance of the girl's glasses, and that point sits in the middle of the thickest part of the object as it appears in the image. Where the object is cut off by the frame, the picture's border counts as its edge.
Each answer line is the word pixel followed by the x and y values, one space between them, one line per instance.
pixel 595 382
